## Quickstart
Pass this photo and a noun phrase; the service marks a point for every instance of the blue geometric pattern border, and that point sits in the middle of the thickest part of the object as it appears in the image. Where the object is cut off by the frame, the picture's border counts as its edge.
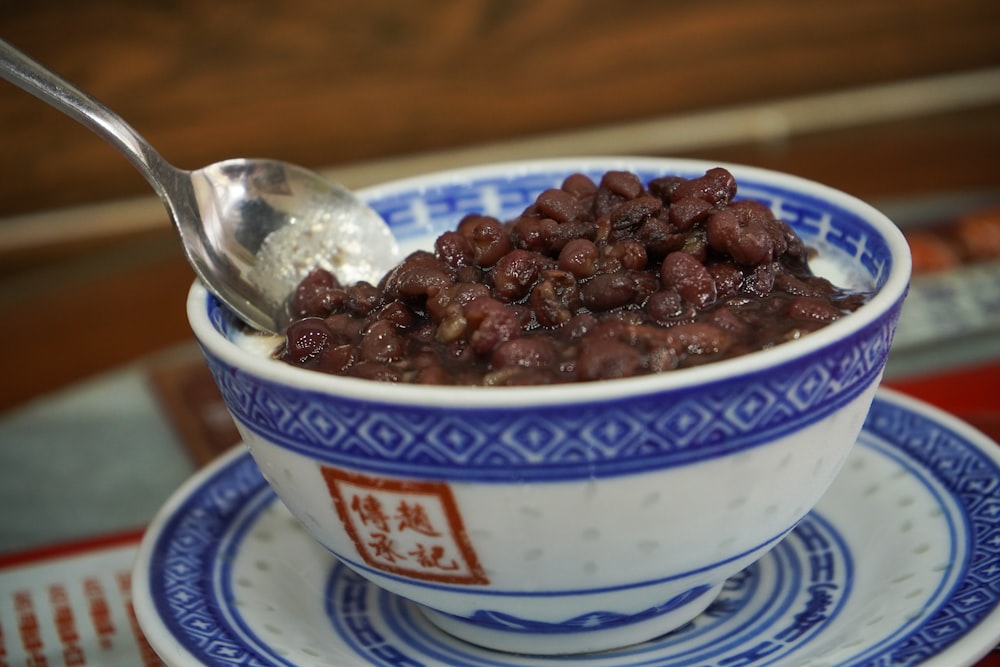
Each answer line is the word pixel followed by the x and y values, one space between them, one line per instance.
pixel 186 555
pixel 813 560
pixel 973 479
pixel 649 432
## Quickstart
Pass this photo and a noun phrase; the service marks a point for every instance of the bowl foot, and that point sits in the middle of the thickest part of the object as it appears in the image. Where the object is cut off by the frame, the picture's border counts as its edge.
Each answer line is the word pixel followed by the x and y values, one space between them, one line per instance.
pixel 552 639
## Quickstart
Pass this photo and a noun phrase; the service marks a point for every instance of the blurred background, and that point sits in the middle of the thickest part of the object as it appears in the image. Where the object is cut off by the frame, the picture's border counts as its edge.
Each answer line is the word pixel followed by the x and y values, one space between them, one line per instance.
pixel 896 101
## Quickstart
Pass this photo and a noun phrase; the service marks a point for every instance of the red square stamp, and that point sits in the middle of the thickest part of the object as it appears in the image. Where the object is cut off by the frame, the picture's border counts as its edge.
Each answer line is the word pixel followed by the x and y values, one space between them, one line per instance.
pixel 409 528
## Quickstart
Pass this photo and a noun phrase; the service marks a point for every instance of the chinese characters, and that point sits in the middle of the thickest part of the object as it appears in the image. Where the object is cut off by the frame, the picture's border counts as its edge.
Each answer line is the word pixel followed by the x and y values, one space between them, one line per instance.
pixel 405 527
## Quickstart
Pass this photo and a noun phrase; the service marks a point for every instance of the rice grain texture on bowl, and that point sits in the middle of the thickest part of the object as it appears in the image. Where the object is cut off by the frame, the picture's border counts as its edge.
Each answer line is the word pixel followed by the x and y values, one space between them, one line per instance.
pixel 575 517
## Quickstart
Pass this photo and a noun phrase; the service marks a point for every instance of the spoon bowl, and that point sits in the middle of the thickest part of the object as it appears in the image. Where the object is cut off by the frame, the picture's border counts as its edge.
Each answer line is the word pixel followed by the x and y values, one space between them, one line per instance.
pixel 250 228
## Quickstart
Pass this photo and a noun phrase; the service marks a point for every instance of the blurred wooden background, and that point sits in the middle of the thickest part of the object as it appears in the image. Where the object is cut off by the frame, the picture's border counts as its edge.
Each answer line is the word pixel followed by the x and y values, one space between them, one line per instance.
pixel 359 86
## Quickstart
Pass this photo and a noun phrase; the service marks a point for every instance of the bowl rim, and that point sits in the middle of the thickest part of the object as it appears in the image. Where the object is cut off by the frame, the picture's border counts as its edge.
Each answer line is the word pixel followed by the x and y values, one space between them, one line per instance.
pixel 479 397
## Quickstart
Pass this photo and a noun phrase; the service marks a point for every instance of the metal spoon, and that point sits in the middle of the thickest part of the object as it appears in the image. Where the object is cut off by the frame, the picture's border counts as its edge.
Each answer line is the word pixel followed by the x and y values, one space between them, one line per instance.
pixel 251 229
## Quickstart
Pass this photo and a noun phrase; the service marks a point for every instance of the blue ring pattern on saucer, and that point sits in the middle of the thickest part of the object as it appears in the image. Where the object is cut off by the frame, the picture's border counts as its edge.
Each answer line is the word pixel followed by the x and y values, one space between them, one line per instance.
pixel 974 480
pixel 804 581
pixel 186 563
pixel 565 442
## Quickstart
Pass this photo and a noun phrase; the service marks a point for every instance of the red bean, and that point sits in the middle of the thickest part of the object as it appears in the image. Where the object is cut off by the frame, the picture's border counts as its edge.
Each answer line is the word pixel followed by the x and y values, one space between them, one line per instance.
pixel 317 295
pixel 664 307
pixel 432 375
pixel 727 320
pixel 344 328
pixel 567 232
pixel 717 187
pixel 607 291
pixel 459 293
pixel 490 242
pixel 634 212
pixel 623 183
pixel 578 326
pixel 491 323
pixel 560 206
pixel 630 254
pixel 381 342
pixel 746 241
pixel 616 188
pixel 664 186
pixel 468 224
pixel 579 257
pixel 607 360
pixel 645 283
pixel 691 338
pixel 700 338
pixel 687 211
pixel 515 274
pixel 760 281
pixel 728 277
pixel 363 298
pixel 610 329
pixel 555 299
pixel 305 339
pixel 455 249
pixel 580 186
pixel 417 276
pixel 689 278
pixel 781 234
pixel 659 238
pixel 398 313
pixel 336 359
pixel 786 282
pixel 660 359
pixel 591 281
pixel 535 234
pixel 525 352
pixel 813 309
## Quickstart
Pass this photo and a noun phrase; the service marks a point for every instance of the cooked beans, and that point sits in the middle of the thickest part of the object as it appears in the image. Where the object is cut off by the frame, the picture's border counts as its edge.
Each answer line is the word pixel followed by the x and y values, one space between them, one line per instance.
pixel 592 281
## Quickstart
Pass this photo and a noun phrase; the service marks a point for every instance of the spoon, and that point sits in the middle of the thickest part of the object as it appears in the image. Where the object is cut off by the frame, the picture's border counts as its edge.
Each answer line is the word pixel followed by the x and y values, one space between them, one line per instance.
pixel 251 229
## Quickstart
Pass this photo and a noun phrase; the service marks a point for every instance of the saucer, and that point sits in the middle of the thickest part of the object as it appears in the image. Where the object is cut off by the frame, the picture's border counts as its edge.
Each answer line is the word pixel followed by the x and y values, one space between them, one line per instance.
pixel 898 564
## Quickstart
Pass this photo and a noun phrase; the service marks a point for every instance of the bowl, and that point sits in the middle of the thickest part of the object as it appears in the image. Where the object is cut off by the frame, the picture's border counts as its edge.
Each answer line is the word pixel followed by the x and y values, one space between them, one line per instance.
pixel 578 517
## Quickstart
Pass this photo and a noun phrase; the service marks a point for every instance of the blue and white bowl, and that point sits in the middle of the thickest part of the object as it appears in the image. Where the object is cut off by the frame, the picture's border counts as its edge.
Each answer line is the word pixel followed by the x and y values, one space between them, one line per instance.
pixel 571 518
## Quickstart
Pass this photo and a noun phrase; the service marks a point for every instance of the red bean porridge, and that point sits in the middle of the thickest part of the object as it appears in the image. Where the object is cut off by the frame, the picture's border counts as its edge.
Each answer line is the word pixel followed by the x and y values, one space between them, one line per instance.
pixel 592 281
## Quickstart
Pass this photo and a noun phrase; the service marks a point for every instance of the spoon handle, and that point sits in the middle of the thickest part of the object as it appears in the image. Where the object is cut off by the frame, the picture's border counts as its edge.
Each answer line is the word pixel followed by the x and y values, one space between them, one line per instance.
pixel 33 77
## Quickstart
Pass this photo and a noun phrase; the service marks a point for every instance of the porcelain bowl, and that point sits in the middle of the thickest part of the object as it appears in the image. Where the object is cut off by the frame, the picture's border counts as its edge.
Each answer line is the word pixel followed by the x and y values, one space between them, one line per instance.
pixel 571 518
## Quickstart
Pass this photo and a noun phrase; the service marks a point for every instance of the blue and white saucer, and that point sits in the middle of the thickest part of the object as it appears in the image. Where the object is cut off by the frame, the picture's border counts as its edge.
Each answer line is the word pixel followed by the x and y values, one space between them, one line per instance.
pixel 898 565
